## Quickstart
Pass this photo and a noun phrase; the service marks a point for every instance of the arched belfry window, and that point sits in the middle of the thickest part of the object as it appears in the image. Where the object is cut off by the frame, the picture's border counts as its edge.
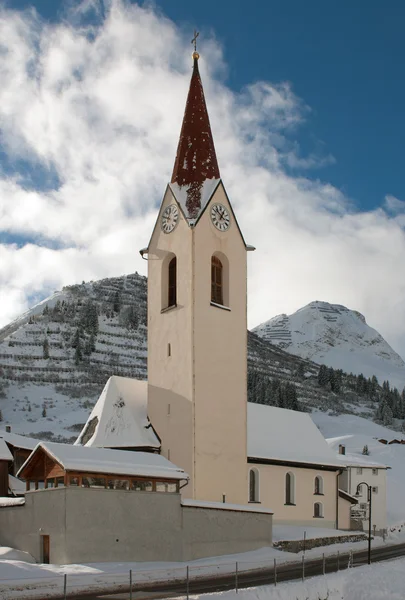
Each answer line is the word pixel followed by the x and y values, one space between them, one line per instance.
pixel 290 488
pixel 216 281
pixel 253 485
pixel 172 283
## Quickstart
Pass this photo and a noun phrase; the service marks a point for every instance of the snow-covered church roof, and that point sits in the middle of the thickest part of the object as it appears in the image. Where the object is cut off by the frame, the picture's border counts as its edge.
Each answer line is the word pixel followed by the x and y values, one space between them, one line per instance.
pixel 120 417
pixel 278 434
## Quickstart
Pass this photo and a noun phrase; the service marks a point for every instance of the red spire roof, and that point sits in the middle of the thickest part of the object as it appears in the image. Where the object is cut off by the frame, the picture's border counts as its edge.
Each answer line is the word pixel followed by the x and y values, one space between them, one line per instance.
pixel 196 160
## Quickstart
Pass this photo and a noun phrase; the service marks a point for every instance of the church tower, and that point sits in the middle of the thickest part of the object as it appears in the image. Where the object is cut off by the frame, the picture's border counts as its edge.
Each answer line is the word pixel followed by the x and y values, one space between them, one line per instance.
pixel 197 324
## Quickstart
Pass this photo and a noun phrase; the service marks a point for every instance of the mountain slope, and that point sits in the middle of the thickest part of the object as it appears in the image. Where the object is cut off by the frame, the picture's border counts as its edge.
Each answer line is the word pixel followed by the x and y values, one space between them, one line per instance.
pixel 332 334
pixel 56 358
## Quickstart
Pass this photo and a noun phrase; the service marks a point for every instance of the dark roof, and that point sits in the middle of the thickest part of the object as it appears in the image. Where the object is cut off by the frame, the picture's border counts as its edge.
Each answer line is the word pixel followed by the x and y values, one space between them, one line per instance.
pixel 196 160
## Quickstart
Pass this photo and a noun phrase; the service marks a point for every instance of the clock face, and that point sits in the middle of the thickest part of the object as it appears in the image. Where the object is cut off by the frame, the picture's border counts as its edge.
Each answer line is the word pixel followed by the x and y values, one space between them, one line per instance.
pixel 170 218
pixel 220 217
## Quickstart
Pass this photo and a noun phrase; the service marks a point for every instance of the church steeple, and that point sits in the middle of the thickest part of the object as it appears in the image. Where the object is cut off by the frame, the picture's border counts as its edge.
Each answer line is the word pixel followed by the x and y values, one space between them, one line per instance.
pixel 196 161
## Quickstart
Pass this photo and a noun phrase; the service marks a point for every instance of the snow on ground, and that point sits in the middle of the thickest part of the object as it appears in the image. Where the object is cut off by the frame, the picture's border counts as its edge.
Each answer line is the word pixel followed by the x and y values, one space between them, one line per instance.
pixel 380 580
pixel 20 580
pixel 357 433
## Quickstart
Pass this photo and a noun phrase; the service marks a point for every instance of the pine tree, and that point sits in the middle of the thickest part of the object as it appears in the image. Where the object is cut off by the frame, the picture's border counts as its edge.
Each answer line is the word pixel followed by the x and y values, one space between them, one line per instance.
pixel 78 354
pixel 387 416
pixel 76 339
pixel 45 347
pixel 323 375
pixel 365 450
pixel 44 410
pixel 117 302
pixel 1 416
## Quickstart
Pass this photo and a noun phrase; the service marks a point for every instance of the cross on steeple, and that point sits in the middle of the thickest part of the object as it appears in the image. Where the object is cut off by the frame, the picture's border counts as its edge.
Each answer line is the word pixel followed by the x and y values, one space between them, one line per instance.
pixel 194 40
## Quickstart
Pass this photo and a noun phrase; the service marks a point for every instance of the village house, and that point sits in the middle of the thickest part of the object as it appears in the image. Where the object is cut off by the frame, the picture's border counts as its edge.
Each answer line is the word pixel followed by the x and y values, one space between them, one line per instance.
pixel 361 468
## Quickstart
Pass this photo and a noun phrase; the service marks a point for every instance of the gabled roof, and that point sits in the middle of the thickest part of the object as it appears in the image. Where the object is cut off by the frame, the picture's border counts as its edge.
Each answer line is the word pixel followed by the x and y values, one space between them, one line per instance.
pixel 5 453
pixel 18 441
pixel 196 162
pixel 354 458
pixel 281 435
pixel 120 417
pixel 105 460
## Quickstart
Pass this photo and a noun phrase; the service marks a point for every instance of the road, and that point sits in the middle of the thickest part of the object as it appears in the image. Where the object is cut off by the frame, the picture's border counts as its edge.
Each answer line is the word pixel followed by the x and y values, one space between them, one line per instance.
pixel 285 572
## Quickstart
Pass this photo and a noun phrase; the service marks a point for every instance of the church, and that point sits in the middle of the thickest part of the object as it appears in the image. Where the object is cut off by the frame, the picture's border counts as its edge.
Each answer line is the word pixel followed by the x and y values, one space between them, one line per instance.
pixel 195 400
pixel 181 466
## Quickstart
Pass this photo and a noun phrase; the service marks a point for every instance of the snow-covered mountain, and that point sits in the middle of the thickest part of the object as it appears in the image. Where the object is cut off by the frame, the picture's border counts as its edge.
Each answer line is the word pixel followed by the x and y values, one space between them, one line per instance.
pixel 56 358
pixel 338 337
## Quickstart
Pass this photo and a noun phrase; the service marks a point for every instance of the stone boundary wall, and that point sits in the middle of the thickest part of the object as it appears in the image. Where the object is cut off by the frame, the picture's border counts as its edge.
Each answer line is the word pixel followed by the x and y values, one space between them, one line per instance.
pixel 98 525
pixel 298 545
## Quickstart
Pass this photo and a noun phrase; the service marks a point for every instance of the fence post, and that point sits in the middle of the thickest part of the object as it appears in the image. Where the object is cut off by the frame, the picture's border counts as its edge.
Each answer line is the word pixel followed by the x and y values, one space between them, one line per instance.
pixel 130 584
pixel 338 561
pixel 350 558
pixel 65 586
pixel 305 537
pixel 236 578
pixel 303 567
pixel 188 584
pixel 323 563
pixel 275 572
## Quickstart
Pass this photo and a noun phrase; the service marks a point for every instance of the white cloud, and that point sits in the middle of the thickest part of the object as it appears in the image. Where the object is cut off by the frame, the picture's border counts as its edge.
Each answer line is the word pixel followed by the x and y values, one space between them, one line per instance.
pixel 100 108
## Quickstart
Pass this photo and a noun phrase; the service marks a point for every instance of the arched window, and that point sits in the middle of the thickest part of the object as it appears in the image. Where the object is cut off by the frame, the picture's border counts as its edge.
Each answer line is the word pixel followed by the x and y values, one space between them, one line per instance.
pixel 253 485
pixel 318 510
pixel 318 485
pixel 216 281
pixel 290 488
pixel 172 283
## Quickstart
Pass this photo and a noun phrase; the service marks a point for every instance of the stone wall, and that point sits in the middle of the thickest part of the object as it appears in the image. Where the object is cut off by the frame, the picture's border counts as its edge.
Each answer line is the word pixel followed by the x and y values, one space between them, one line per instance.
pixel 98 525
pixel 299 545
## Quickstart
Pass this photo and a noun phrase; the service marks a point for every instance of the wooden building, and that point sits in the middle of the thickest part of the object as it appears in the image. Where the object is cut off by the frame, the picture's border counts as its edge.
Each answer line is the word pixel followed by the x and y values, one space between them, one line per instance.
pixel 54 465
pixel 20 447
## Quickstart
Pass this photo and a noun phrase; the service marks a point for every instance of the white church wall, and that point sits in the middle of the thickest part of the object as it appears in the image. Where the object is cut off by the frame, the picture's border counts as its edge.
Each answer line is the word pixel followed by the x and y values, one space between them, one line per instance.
pixel 272 485
pixel 220 348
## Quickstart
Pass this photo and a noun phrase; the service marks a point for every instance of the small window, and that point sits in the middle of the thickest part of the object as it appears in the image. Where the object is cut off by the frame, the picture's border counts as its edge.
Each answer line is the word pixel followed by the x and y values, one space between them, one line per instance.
pixel 375 489
pixel 141 486
pixel 318 510
pixel 50 483
pixel 59 482
pixel 318 485
pixel 374 471
pixel 216 281
pixel 253 485
pixel 172 285
pixel 93 482
pixel 164 486
pixel 73 480
pixel 290 488
pixel 359 471
pixel 117 484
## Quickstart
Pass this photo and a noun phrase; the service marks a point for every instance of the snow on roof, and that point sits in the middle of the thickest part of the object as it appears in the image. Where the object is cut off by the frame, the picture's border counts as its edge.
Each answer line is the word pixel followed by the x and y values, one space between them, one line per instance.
pixel 5 453
pixel 286 435
pixel 16 485
pixel 120 417
pixel 181 194
pixel 18 441
pixel 105 460
pixel 225 506
pixel 355 459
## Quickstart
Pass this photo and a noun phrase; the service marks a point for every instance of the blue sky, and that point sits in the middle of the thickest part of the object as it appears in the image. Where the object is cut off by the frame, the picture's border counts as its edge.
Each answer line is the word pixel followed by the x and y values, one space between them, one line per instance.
pixel 305 101
pixel 344 60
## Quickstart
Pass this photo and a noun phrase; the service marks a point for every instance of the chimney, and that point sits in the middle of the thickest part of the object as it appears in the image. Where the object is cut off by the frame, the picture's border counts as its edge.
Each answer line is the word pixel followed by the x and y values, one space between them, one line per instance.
pixel 342 449
pixel 8 428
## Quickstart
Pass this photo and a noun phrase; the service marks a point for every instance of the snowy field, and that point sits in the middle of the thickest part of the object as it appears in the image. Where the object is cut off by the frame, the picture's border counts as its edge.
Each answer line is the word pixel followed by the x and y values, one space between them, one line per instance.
pixel 376 582
pixel 21 580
